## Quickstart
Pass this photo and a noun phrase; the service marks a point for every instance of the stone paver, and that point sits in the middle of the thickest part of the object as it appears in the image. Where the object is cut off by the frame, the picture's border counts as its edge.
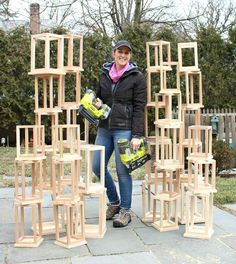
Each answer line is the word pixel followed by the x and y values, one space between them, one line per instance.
pixel 229 241
pixel 137 258
pixel 54 261
pixel 7 193
pixel 7 211
pixel 46 251
pixel 225 220
pixel 116 242
pixel 151 236
pixel 194 251
pixel 135 244
pixel 7 233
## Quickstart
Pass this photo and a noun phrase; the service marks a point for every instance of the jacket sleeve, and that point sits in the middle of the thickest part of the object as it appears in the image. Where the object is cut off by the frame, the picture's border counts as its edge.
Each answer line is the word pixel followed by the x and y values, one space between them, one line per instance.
pixel 139 102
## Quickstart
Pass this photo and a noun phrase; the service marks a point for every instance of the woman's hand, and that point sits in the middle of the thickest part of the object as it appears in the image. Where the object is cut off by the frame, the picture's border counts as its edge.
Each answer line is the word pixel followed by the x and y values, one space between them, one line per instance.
pixel 136 142
pixel 97 103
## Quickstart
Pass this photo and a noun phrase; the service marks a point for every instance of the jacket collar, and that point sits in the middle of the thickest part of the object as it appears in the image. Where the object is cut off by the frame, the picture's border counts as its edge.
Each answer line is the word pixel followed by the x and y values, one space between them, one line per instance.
pixel 107 66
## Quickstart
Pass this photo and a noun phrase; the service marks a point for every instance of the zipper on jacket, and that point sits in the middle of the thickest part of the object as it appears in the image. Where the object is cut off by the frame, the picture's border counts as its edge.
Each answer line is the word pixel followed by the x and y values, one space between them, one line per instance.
pixel 108 77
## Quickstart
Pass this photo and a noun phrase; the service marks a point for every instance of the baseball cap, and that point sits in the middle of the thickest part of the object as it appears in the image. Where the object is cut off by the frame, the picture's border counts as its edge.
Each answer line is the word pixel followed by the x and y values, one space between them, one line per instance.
pixel 122 43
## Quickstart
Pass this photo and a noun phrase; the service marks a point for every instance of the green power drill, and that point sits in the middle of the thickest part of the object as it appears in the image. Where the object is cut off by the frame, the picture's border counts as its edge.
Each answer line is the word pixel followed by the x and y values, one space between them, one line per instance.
pixel 89 110
pixel 130 158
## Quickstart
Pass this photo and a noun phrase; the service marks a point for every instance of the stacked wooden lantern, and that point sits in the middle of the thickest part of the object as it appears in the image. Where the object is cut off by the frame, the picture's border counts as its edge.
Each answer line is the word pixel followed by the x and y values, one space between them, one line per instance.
pixel 62 167
pixel 181 179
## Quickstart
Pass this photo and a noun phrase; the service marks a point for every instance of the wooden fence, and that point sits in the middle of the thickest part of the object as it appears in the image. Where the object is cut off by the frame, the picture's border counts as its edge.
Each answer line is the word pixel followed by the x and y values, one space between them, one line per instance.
pixel 226 125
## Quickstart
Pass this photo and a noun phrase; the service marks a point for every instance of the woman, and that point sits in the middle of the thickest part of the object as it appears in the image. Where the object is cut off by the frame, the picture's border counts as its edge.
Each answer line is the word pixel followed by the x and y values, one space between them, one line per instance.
pixel 123 87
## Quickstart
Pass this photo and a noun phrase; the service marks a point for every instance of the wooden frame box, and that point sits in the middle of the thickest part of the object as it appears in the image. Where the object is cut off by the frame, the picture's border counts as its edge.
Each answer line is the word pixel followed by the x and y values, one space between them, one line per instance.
pixel 203 231
pixel 86 183
pixel 157 82
pixel 167 77
pixel 23 240
pixel 74 45
pixel 75 235
pixel 96 230
pixel 162 80
pixel 164 108
pixel 199 208
pixel 167 155
pixel 181 48
pixel 66 141
pixel 49 120
pixel 22 195
pixel 193 90
pixel 74 91
pixel 65 177
pixel 72 118
pixel 201 175
pixel 30 142
pixel 167 220
pixel 46 68
pixel 192 117
pixel 160 60
pixel 50 87
pixel 200 142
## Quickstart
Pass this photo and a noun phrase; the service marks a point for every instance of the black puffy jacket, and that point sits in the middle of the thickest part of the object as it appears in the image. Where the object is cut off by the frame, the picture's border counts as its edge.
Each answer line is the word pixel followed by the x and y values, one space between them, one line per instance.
pixel 127 100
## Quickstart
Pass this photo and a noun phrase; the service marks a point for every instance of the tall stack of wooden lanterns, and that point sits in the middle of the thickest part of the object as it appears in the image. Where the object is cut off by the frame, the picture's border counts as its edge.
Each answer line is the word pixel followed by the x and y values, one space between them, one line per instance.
pixel 63 166
pixel 182 177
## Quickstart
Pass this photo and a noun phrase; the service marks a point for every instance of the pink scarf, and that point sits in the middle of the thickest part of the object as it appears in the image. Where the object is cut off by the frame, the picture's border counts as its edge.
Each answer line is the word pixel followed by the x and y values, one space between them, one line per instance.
pixel 116 74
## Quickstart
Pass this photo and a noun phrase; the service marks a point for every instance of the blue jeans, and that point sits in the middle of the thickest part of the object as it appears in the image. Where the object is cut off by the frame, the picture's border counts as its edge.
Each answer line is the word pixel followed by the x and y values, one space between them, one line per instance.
pixel 108 139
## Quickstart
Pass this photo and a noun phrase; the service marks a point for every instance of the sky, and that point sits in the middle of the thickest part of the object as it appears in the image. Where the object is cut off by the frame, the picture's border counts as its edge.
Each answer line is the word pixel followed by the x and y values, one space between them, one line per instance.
pixel 22 6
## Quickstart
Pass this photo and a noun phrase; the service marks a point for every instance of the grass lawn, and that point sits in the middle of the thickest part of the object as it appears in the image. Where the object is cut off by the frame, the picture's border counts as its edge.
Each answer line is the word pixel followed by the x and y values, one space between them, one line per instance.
pixel 226 190
pixel 226 187
pixel 7 156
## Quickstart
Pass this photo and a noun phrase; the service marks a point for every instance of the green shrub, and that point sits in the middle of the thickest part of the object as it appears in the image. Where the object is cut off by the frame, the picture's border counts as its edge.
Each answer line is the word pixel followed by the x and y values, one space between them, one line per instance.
pixel 223 155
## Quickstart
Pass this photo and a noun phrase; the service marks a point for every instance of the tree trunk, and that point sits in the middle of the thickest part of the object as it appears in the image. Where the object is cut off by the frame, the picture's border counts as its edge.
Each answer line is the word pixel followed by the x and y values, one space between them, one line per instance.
pixel 137 11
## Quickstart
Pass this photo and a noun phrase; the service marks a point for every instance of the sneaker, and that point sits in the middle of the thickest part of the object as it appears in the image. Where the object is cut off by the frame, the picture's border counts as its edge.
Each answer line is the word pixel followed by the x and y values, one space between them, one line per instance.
pixel 123 219
pixel 112 209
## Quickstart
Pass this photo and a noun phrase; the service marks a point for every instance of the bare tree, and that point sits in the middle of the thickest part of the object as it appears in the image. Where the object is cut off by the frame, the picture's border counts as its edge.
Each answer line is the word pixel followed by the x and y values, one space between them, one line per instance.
pixel 5 12
pixel 117 14
pixel 112 16
pixel 216 14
